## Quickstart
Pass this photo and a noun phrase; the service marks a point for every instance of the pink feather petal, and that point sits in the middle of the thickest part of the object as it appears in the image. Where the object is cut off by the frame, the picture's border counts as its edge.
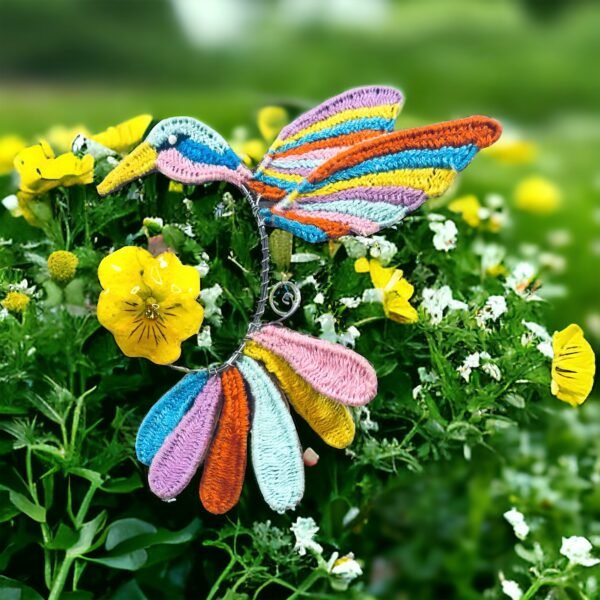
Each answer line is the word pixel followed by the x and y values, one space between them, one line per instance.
pixel 331 369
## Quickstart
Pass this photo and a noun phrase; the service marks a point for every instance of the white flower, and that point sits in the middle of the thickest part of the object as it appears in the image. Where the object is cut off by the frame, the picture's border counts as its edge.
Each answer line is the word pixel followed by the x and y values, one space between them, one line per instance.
pixel 352 513
pixel 376 246
pixel 445 236
pixel 492 370
pixel 470 363
pixel 209 297
pixel 559 238
pixel 417 391
pixel 373 295
pixel 492 255
pixel 350 302
pixel 188 204
pixel 304 257
pixel 319 298
pixel 554 262
pixel 546 348
pixel 538 330
pixel 521 277
pixel 327 323
pixel 310 280
pixel 85 145
pixel 348 338
pixel 343 571
pixel 577 549
pixel 304 530
pixel 436 301
pixel 511 588
pixel 203 267
pixel 494 201
pixel 363 417
pixel 11 203
pixel 493 309
pixel 3 313
pixel 204 337
pixel 517 521
pixel 355 246
pixel 381 249
pixel 426 376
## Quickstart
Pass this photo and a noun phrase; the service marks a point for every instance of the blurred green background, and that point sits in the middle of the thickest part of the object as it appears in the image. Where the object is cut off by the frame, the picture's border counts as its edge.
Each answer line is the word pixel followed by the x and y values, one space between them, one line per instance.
pixel 529 63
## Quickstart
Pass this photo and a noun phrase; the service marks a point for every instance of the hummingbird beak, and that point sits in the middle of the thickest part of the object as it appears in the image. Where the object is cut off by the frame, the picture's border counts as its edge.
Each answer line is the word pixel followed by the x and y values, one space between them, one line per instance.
pixel 140 162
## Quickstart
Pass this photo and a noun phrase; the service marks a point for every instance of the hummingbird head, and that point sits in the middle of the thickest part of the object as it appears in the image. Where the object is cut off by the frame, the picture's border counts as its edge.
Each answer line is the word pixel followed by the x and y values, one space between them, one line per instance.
pixel 185 150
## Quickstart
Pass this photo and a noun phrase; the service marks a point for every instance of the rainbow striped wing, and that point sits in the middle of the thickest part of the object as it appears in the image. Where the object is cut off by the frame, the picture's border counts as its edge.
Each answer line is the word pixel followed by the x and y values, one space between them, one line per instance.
pixel 376 183
pixel 321 133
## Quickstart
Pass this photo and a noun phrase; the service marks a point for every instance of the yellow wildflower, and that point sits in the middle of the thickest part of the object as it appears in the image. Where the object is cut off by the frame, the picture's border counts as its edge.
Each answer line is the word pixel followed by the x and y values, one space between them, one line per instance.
pixel 15 302
pixel 40 171
pixel 537 195
pixel 270 121
pixel 62 266
pixel 395 290
pixel 149 304
pixel 10 146
pixel 469 208
pixel 124 136
pixel 573 366
pixel 513 151
pixel 61 137
pixel 175 186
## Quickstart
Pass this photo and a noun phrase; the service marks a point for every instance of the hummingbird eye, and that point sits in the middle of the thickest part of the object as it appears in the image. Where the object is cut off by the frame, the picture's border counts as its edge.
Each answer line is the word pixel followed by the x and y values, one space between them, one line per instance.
pixel 172 139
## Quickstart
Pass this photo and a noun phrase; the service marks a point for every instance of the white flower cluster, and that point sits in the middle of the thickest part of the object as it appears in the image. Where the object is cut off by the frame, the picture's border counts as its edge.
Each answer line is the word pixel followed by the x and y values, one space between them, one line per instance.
pixel 578 550
pixel 347 338
pixel 446 233
pixel 437 300
pixel 304 530
pixel 517 521
pixel 536 331
pixel 492 310
pixel 208 298
pixel 375 246
pixel 479 360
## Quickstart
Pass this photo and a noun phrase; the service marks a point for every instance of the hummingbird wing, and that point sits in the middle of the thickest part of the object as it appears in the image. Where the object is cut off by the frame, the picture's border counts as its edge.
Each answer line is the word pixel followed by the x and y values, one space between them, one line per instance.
pixel 374 184
pixel 321 133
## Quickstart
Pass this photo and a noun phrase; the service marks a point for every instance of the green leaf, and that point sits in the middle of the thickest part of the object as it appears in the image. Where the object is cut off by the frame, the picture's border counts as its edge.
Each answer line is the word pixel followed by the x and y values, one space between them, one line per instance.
pixel 7 511
pixel 92 476
pixel 65 538
pixel 123 485
pixel 10 589
pixel 33 511
pixel 126 529
pixel 86 536
pixel 131 561
pixel 130 591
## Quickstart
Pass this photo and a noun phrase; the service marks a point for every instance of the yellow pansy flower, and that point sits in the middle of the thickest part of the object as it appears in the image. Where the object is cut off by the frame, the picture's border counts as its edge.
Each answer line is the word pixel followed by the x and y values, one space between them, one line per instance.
pixel 149 303
pixel 469 209
pixel 124 136
pixel 573 366
pixel 537 195
pixel 10 146
pixel 395 290
pixel 513 151
pixel 270 121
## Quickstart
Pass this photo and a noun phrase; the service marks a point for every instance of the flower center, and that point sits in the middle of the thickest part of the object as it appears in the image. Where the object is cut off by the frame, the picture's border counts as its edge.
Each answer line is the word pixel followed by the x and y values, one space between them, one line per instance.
pixel 151 310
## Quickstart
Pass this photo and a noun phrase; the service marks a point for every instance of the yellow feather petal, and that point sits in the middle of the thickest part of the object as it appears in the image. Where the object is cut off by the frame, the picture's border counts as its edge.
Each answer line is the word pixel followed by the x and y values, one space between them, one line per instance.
pixel 332 421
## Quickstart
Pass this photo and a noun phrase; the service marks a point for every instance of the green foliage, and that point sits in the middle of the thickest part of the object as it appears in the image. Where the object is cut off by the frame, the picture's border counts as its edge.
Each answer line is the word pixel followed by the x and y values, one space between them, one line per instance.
pixel 439 456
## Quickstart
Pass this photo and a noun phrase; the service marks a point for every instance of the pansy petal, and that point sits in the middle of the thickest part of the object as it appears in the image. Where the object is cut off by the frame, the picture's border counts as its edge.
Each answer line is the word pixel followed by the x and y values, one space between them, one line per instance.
pixel 331 369
pixel 178 459
pixel 330 420
pixel 125 135
pixel 165 275
pixel 164 416
pixel 380 276
pixel 225 468
pixel 573 366
pixel 123 269
pixel 275 448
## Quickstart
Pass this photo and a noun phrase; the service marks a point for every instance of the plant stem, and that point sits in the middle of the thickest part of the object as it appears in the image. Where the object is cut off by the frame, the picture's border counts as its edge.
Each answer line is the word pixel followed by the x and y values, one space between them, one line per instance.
pixel 215 588
pixel 61 578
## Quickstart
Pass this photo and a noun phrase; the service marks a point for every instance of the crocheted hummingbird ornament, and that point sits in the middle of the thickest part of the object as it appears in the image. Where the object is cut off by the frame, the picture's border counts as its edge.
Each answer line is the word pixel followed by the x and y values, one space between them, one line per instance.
pixel 339 169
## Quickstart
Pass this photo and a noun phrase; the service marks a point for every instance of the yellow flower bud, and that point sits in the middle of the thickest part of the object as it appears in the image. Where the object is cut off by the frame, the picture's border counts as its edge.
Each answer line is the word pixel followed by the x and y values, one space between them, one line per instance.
pixel 62 266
